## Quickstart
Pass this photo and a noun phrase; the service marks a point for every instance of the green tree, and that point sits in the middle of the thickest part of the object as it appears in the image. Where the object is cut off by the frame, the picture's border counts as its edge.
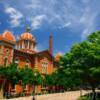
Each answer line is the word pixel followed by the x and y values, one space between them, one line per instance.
pixel 2 81
pixel 83 60
pixel 38 80
pixel 29 77
pixel 47 80
pixel 9 75
pixel 64 78
pixel 13 74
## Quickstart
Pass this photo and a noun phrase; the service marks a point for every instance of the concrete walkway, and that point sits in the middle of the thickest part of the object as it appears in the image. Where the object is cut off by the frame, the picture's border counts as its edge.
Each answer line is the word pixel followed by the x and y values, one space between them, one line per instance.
pixel 72 95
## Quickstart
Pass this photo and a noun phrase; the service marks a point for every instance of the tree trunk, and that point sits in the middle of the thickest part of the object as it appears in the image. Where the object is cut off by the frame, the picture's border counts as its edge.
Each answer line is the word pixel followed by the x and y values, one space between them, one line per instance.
pixel 93 93
pixel 80 92
pixel 1 92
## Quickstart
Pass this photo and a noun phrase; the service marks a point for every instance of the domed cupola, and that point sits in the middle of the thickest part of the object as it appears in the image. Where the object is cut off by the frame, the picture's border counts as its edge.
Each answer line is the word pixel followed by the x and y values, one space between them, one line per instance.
pixel 8 36
pixel 27 36
pixel 26 41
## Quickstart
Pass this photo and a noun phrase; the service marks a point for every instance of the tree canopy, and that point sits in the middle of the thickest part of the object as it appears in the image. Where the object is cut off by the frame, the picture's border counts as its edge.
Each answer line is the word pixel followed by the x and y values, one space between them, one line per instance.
pixel 14 74
pixel 82 63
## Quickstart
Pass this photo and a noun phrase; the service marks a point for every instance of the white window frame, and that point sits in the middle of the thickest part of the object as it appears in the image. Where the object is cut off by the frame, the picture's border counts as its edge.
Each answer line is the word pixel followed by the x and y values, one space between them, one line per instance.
pixel 16 60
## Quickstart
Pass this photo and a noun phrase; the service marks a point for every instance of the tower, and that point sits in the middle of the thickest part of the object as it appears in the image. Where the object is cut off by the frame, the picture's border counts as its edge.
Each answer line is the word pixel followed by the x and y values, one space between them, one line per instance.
pixel 26 42
pixel 51 44
pixel 7 43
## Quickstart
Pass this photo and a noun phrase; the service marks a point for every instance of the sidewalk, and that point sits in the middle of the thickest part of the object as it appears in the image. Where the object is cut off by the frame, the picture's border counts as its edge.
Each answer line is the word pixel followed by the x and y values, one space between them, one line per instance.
pixel 72 95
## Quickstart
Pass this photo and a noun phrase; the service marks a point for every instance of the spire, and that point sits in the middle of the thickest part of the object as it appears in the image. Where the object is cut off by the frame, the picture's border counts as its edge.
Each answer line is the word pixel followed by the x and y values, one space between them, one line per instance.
pixel 28 29
pixel 50 44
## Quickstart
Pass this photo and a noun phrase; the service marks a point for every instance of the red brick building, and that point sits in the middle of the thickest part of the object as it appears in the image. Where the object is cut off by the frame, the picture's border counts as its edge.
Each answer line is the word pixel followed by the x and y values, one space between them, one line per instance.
pixel 23 52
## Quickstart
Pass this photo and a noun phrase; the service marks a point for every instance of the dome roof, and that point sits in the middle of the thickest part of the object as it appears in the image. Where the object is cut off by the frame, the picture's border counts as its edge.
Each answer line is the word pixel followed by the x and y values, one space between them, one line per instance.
pixel 57 57
pixel 27 36
pixel 8 36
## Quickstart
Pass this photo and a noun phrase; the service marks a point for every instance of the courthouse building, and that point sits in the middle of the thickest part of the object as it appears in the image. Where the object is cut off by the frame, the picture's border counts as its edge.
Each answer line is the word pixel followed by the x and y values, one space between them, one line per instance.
pixel 23 52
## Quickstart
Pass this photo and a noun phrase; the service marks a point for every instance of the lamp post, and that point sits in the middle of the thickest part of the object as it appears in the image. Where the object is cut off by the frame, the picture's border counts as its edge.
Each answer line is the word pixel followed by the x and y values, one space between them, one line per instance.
pixel 35 74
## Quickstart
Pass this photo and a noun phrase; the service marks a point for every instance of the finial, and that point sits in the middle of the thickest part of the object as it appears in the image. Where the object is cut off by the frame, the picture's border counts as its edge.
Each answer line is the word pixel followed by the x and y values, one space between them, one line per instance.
pixel 28 29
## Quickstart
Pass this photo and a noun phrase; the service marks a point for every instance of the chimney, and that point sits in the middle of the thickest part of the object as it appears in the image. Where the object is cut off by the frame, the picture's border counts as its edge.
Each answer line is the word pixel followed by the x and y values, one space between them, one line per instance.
pixel 50 44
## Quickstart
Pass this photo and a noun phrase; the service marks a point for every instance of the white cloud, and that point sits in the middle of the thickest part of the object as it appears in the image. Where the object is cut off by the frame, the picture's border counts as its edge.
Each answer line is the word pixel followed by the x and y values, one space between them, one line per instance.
pixel 85 1
pixel 88 22
pixel 40 47
pixel 58 13
pixel 65 14
pixel 65 25
pixel 78 16
pixel 37 21
pixel 15 16
pixel 85 33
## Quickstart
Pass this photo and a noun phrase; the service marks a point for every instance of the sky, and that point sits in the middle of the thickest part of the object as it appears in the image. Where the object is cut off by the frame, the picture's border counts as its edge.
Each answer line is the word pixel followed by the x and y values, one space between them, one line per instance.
pixel 69 21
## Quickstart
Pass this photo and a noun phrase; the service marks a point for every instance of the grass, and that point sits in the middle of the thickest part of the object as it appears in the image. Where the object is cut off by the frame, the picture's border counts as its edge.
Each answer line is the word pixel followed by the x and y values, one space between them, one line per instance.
pixel 89 97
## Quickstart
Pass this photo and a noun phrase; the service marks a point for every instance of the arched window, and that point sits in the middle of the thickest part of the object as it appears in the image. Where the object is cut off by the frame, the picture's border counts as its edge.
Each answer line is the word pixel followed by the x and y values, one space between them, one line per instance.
pixel 5 61
pixel 26 43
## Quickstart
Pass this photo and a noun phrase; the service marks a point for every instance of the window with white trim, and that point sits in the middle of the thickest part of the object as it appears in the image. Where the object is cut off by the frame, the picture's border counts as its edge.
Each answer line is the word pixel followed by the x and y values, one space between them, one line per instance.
pixel 27 62
pixel 44 67
pixel 16 60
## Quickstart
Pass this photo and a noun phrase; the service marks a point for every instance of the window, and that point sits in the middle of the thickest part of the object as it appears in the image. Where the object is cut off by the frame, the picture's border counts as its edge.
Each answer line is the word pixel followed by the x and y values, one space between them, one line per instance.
pixel 16 60
pixel 7 51
pixel 26 43
pixel 5 62
pixel 44 86
pixel 44 67
pixel 27 63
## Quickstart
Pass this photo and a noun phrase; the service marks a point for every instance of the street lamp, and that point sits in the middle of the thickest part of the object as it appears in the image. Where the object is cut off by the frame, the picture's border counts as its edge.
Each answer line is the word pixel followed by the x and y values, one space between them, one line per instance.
pixel 35 74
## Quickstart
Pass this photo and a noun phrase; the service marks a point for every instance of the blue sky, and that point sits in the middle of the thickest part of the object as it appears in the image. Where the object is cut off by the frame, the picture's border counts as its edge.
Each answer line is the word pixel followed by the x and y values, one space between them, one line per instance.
pixel 69 21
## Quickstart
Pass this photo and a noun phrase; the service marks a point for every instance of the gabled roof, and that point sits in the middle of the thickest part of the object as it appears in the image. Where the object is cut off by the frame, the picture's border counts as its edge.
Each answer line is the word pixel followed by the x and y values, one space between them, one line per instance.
pixel 41 53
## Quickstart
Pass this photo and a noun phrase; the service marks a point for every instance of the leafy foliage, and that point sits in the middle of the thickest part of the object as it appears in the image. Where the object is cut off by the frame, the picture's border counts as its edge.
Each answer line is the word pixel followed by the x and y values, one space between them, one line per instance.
pixel 80 65
pixel 13 74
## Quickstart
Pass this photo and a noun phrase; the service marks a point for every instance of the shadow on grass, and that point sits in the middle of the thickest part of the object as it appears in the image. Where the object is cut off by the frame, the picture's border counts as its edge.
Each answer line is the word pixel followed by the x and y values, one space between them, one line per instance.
pixel 89 96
